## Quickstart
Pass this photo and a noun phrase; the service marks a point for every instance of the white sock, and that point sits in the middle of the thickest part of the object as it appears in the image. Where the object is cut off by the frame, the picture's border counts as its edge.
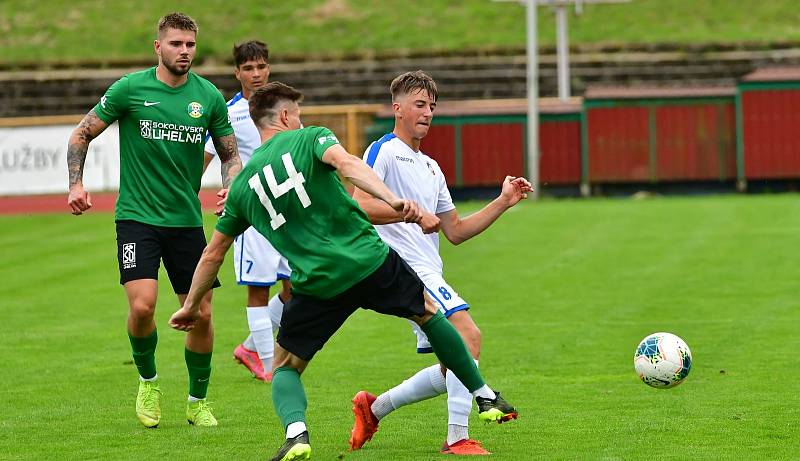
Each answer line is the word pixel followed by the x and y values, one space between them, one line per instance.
pixel 248 343
pixel 295 429
pixel 485 392
pixel 149 380
pixel 275 307
pixel 456 433
pixel 459 406
pixel 261 331
pixel 194 399
pixel 427 383
pixel 459 401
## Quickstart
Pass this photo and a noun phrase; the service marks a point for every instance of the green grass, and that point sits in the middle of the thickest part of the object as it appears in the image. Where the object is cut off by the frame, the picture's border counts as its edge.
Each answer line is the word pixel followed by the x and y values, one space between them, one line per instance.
pixel 70 30
pixel 562 290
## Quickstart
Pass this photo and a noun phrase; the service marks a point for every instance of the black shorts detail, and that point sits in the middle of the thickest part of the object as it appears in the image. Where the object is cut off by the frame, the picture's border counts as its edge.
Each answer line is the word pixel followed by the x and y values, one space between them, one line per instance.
pixel 141 247
pixel 308 322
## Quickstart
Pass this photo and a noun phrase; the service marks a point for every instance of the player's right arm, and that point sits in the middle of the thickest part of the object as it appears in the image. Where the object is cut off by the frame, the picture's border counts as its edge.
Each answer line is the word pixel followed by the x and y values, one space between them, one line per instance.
pixel 205 273
pixel 365 179
pixel 379 212
pixel 89 128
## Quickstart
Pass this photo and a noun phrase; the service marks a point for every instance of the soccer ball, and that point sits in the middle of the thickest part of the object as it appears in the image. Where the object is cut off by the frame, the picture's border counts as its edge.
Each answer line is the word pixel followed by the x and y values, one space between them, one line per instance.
pixel 662 360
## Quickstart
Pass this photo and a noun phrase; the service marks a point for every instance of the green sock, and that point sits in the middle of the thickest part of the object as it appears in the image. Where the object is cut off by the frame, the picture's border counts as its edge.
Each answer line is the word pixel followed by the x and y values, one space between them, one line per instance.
pixel 288 396
pixel 144 354
pixel 452 352
pixel 199 366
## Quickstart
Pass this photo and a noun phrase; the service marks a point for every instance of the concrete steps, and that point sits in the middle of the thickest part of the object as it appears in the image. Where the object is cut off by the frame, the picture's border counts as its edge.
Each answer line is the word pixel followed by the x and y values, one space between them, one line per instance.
pixel 72 88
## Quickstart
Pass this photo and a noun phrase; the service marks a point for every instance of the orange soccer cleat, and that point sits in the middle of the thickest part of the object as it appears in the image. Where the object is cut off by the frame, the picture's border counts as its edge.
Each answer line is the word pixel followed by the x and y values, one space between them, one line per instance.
pixel 366 424
pixel 464 447
pixel 250 360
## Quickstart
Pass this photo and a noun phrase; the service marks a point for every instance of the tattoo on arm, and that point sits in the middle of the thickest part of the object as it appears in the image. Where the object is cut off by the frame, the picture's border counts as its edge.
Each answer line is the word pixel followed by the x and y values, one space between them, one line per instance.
pixel 229 158
pixel 83 134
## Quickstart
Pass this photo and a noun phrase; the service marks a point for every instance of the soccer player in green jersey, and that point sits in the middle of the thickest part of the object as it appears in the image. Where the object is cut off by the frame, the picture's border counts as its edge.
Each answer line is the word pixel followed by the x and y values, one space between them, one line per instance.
pixel 290 192
pixel 256 264
pixel 163 115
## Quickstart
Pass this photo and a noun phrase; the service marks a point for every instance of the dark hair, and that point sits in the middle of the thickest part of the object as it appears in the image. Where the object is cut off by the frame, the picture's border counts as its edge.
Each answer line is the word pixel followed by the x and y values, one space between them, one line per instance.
pixel 178 21
pixel 411 82
pixel 251 50
pixel 264 100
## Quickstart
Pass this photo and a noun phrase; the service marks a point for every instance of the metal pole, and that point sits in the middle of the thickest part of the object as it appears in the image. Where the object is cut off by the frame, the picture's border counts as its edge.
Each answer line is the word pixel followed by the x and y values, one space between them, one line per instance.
pixel 562 47
pixel 533 99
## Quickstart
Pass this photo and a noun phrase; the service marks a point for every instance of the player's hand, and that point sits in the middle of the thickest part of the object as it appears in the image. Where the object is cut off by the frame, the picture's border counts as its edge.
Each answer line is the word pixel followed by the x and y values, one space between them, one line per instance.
pixel 409 209
pixel 79 200
pixel 514 190
pixel 429 223
pixel 183 319
pixel 223 197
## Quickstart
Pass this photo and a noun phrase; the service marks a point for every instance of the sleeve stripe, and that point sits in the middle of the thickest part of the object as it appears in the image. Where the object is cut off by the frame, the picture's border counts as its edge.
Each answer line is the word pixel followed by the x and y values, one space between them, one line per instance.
pixel 376 147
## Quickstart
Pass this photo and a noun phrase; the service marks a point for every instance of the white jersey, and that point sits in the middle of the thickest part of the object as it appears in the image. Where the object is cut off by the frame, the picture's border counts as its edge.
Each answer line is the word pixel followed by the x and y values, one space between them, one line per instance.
pixel 247 137
pixel 255 261
pixel 414 176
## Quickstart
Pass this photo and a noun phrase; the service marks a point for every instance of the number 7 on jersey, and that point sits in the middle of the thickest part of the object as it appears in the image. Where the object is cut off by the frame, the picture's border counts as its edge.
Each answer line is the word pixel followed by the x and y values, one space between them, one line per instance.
pixel 294 181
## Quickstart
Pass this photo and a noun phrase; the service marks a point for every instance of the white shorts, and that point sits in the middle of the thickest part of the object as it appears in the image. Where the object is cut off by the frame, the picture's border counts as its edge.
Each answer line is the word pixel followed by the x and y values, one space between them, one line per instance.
pixel 256 262
pixel 449 303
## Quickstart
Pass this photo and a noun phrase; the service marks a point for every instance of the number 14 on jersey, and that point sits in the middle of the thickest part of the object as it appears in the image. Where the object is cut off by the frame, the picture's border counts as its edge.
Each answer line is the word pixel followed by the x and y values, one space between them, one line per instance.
pixel 294 181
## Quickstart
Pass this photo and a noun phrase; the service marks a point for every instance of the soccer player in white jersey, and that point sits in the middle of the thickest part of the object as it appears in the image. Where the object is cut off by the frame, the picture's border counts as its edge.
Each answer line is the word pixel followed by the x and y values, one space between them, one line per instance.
pixel 408 172
pixel 256 263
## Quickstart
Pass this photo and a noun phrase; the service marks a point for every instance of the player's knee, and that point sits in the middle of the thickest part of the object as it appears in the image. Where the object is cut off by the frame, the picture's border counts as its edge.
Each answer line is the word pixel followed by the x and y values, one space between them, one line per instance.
pixel 421 319
pixel 142 309
pixel 289 360
pixel 204 317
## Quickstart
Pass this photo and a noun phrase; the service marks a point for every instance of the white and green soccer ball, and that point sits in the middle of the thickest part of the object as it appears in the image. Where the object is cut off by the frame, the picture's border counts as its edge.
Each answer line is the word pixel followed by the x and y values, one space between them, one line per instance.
pixel 662 360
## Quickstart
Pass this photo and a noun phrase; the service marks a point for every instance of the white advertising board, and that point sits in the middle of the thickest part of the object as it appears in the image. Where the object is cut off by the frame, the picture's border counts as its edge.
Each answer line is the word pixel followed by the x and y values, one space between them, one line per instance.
pixel 33 160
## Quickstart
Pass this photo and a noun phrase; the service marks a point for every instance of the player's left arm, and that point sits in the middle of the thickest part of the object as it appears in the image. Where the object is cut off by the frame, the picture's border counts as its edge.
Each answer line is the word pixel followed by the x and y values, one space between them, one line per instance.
pixel 202 281
pixel 229 159
pixel 230 165
pixel 458 230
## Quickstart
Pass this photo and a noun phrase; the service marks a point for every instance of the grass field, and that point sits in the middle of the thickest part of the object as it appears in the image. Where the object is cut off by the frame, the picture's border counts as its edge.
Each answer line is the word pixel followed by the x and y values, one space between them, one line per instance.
pixel 563 291
pixel 70 30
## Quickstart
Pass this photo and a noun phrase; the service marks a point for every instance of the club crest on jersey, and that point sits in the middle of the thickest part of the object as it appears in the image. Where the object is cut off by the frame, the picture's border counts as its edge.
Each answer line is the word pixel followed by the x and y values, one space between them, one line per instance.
pixel 195 109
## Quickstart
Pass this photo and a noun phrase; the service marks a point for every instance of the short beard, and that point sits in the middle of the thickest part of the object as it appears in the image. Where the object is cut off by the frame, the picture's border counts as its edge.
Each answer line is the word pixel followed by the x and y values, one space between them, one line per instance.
pixel 175 70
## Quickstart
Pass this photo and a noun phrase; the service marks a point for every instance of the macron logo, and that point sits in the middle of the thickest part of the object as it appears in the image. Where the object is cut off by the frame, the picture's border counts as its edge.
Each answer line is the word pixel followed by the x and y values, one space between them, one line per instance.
pixel 148 104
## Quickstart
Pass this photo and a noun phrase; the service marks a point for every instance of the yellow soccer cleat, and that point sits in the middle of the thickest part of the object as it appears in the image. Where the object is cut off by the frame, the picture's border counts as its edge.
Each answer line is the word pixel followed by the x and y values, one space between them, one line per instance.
pixel 148 403
pixel 199 414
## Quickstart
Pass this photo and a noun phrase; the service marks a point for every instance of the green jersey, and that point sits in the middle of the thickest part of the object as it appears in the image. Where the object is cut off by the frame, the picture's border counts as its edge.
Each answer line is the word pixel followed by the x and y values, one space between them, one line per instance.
pixel 299 204
pixel 161 141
